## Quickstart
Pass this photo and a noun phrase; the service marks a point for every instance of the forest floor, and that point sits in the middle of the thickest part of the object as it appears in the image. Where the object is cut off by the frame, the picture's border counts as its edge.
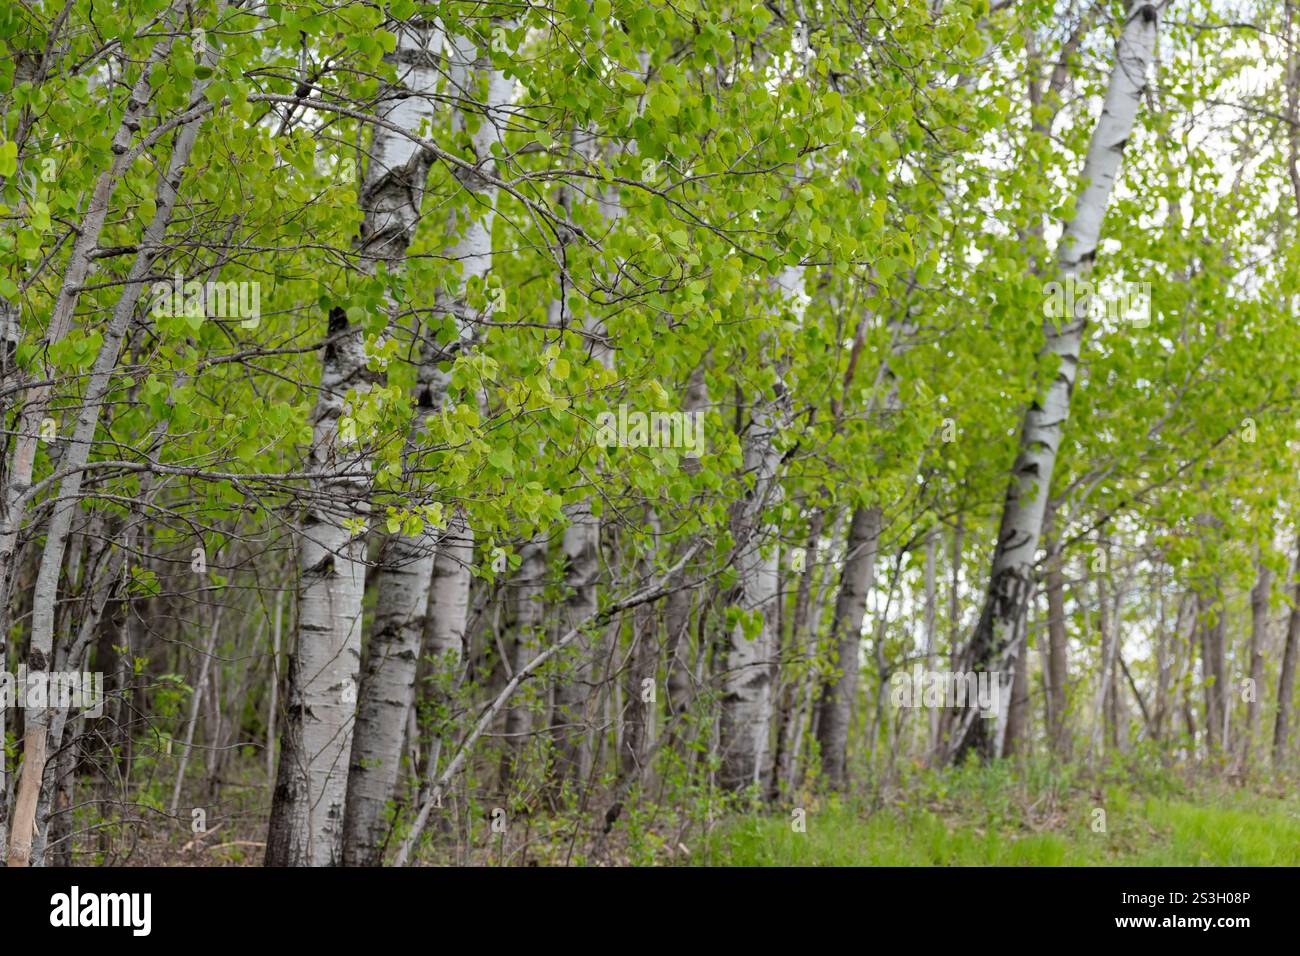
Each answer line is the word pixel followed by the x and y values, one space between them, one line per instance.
pixel 1037 817
pixel 1139 811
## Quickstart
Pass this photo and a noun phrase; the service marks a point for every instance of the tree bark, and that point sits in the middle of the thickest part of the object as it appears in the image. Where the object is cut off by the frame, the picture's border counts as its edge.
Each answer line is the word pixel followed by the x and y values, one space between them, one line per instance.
pixel 200 686
pixel 1106 658
pixel 530 616
pixel 1258 639
pixel 1018 709
pixel 931 632
pixel 995 641
pixel 747 680
pixel 390 196
pixel 573 714
pixel 306 827
pixel 1286 677
pixel 273 704
pixel 638 711
pixel 839 692
pixel 677 606
pixel 789 712
pixel 1212 668
pixel 1057 656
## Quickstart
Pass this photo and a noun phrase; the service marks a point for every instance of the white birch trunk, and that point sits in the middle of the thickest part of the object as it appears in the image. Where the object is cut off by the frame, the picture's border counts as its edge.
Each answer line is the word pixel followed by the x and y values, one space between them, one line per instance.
pixel 994 644
pixel 574 697
pixel 9 337
pixel 747 683
pixel 530 615
pixel 637 713
pixel 449 595
pixel 423 586
pixel 308 813
pixel 72 658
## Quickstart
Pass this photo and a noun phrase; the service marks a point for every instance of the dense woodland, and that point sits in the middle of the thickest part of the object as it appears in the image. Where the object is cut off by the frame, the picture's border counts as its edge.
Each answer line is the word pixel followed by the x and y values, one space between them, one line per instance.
pixel 553 430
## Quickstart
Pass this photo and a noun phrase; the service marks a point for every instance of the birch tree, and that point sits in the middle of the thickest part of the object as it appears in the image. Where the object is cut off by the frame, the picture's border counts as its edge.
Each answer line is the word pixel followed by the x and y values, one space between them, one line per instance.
pixel 307 823
pixel 998 633
pixel 747 684
pixel 423 585
pixel 42 648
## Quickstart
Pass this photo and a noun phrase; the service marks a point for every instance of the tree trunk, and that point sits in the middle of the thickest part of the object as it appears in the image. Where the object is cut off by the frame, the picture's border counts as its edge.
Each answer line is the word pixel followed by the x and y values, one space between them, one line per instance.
pixel 1018 709
pixel 747 682
pixel 573 717
pixel 931 633
pixel 530 616
pixel 196 700
pixel 839 692
pixel 677 606
pixel 1258 639
pixel 306 827
pixel 54 804
pixel 788 715
pixel 273 704
pixel 947 715
pixel 1212 669
pixel 1106 662
pixel 638 708
pixel 447 624
pixel 408 570
pixel 995 641
pixel 1286 678
pixel 677 627
pixel 1057 656
pixel 1165 652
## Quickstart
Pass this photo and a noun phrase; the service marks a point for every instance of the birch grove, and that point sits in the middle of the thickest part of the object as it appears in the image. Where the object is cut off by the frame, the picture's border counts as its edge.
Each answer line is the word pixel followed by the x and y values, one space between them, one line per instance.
pixel 606 432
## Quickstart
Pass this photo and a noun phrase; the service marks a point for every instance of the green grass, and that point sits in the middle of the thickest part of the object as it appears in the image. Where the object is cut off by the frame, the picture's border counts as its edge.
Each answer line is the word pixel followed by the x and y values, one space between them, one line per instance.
pixel 969 820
